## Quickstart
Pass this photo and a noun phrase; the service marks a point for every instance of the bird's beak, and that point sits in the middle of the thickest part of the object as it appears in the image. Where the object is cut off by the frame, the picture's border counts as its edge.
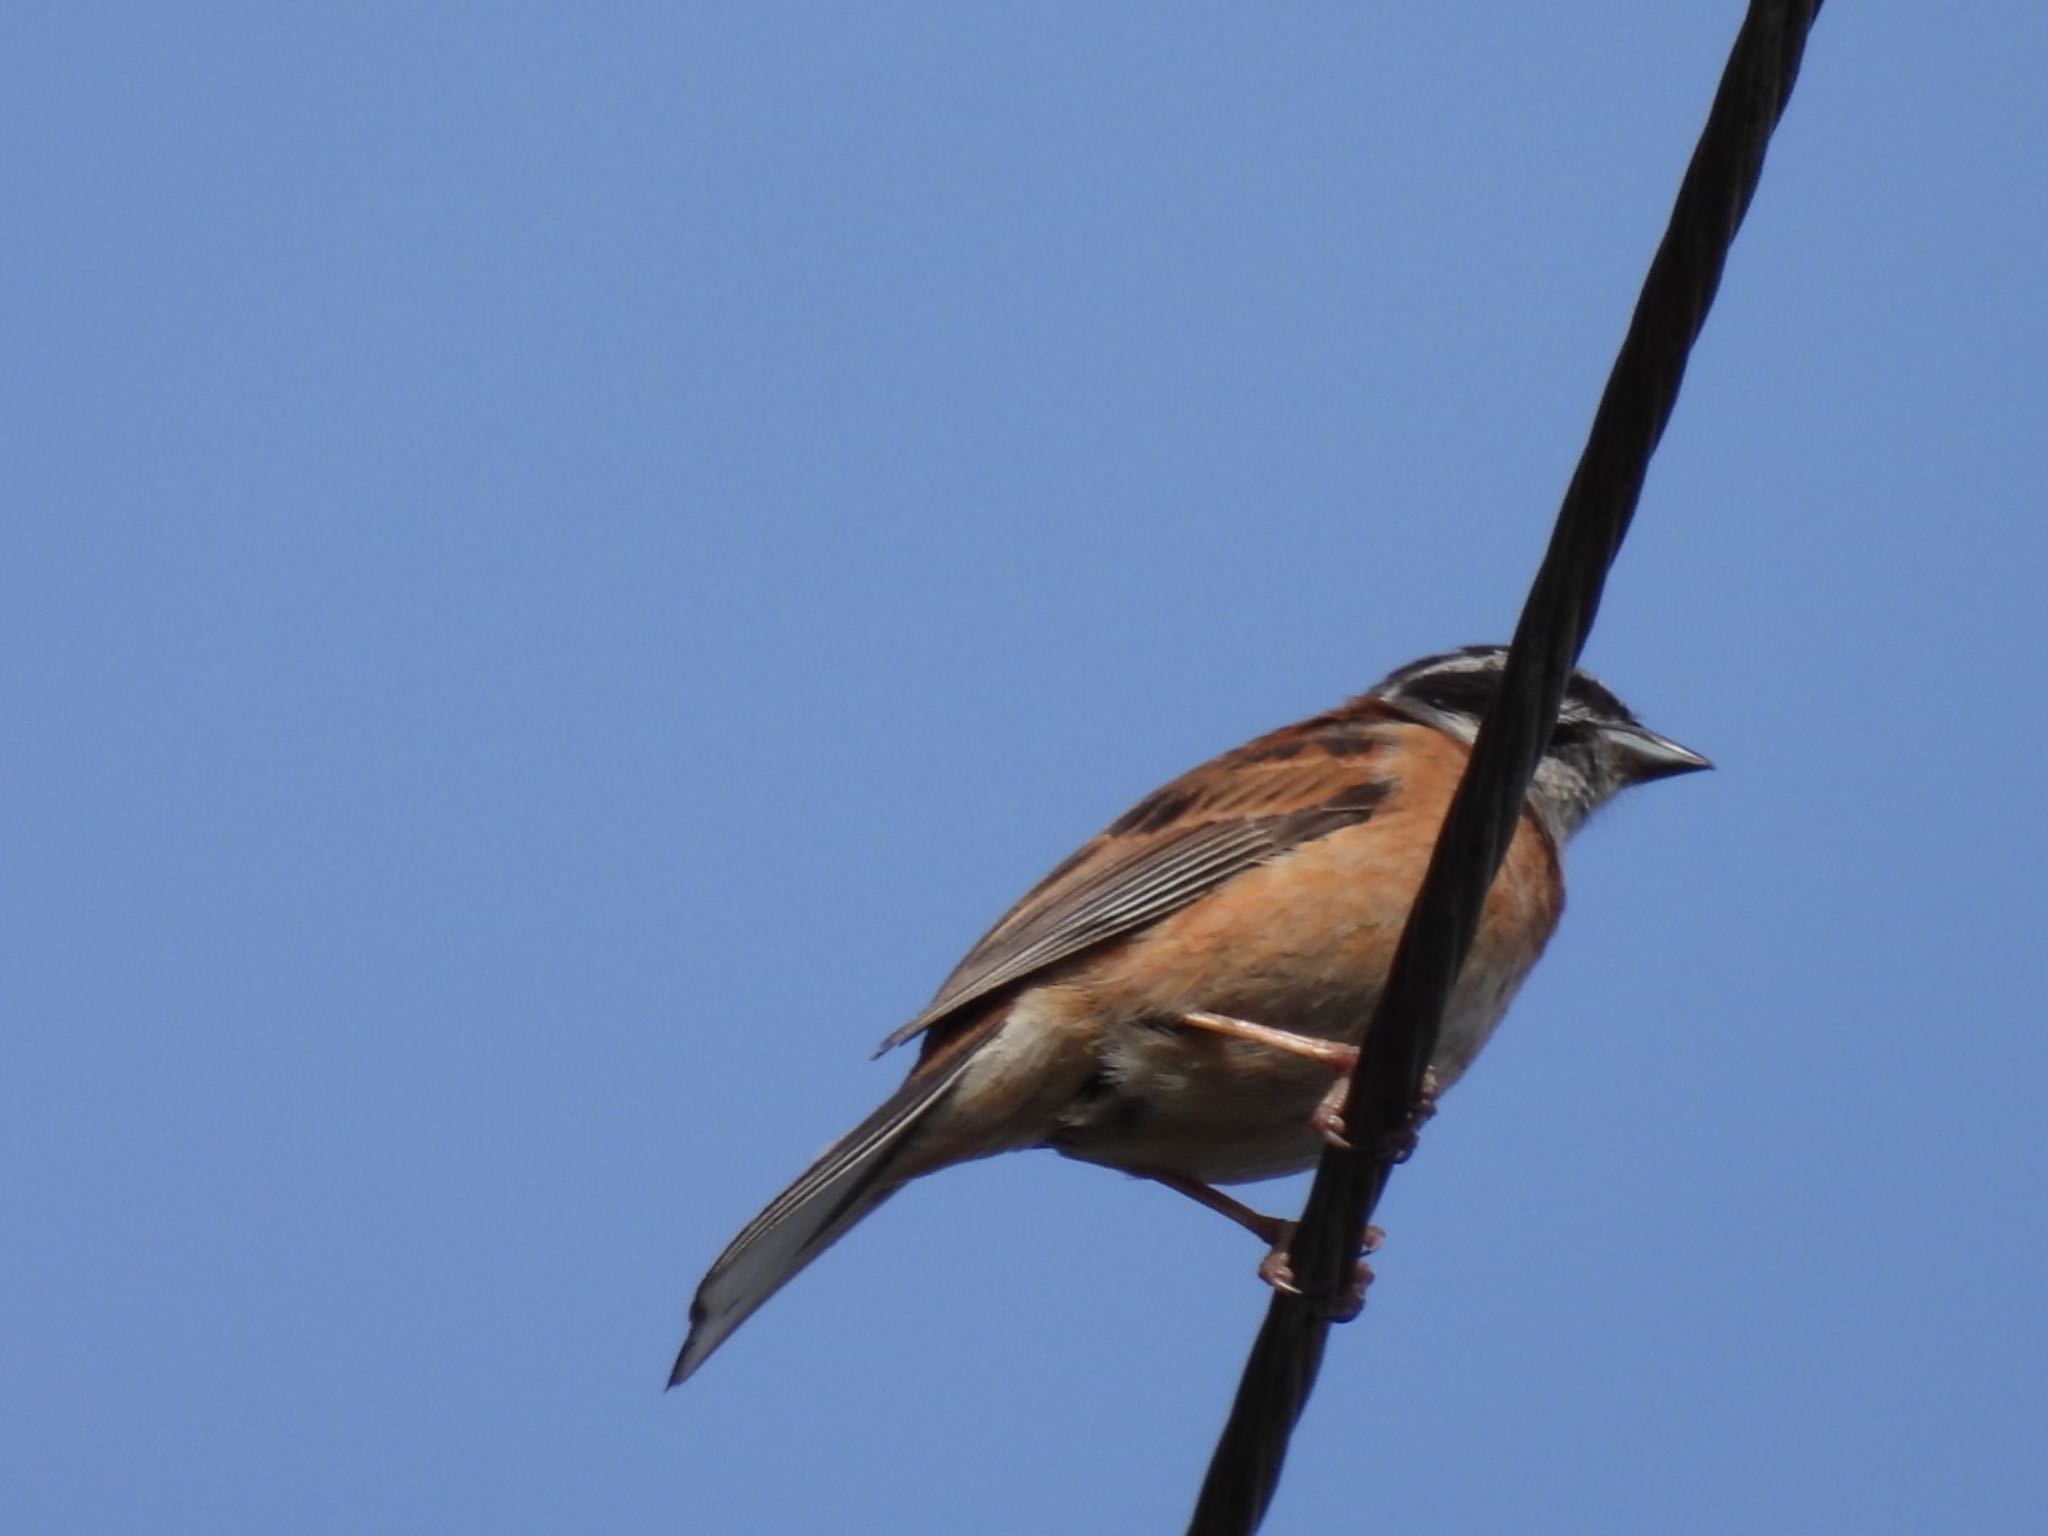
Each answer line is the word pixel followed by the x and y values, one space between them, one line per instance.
pixel 1645 755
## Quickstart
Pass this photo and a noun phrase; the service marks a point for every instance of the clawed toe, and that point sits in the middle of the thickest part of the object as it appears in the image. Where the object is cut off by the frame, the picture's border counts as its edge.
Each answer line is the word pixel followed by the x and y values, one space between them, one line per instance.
pixel 1327 1118
pixel 1327 1121
pixel 1352 1302
pixel 1277 1270
pixel 1399 1144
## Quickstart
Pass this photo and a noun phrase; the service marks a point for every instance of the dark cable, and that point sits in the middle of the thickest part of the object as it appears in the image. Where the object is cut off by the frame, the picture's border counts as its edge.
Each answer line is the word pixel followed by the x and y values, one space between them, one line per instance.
pixel 1637 403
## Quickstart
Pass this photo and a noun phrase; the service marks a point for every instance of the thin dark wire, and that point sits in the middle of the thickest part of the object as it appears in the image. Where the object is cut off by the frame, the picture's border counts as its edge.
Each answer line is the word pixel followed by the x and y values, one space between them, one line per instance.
pixel 1598 505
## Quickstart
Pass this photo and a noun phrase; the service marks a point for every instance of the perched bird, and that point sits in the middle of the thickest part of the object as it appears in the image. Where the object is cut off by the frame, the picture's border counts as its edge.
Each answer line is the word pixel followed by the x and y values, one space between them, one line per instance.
pixel 1175 999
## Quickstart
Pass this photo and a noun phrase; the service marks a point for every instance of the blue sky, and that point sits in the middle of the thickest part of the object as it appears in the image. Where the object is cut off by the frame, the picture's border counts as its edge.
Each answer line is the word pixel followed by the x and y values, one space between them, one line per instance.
pixel 560 565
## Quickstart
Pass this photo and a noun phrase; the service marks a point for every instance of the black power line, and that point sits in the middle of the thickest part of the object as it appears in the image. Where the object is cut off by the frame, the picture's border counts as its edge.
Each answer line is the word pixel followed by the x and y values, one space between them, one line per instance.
pixel 1598 505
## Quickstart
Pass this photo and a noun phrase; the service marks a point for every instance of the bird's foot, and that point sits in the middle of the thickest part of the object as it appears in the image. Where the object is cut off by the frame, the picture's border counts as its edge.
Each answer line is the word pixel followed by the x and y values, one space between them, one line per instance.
pixel 1327 1119
pixel 1277 1270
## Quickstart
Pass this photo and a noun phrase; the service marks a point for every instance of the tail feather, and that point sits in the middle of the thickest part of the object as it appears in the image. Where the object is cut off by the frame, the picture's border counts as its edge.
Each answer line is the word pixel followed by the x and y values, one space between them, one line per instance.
pixel 853 1176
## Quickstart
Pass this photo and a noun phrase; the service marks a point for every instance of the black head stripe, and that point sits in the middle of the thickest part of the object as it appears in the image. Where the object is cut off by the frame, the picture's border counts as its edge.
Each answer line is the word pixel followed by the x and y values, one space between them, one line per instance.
pixel 1462 682
pixel 1587 699
pixel 1455 693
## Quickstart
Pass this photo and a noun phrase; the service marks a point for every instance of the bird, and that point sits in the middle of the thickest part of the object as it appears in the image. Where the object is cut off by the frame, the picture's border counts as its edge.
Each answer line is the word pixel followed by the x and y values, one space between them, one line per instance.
pixel 1182 997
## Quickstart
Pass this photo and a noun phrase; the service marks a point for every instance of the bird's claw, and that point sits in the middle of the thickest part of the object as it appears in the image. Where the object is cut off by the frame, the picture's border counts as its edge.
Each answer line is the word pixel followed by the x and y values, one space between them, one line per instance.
pixel 1277 1270
pixel 1327 1118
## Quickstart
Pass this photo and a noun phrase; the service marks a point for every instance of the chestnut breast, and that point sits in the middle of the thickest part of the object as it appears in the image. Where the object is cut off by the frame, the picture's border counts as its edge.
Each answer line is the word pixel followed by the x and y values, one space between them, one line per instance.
pixel 1300 943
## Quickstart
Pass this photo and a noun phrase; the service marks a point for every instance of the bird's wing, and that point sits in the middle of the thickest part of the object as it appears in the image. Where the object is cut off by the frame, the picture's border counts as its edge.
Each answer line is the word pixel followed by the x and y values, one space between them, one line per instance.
pixel 1290 787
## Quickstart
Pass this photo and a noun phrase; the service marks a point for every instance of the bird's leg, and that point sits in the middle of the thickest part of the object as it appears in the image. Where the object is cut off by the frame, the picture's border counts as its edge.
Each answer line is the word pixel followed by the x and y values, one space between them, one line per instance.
pixel 1327 1117
pixel 1334 1054
pixel 1276 1232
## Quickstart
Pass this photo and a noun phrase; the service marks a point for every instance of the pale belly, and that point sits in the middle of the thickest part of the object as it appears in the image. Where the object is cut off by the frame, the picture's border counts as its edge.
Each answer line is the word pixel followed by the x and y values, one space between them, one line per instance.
pixel 1174 1099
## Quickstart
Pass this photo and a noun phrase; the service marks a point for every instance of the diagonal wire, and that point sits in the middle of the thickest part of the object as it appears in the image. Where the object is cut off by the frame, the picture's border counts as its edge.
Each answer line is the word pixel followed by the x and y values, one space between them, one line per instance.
pixel 1641 390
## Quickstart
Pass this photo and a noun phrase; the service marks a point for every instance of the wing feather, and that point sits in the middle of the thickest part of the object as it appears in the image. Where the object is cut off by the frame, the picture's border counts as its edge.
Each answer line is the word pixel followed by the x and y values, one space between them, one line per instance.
pixel 1180 842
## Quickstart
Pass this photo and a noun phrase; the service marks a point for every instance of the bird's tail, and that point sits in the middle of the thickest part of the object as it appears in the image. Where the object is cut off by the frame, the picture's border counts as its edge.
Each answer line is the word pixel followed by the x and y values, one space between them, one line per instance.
pixel 852 1176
